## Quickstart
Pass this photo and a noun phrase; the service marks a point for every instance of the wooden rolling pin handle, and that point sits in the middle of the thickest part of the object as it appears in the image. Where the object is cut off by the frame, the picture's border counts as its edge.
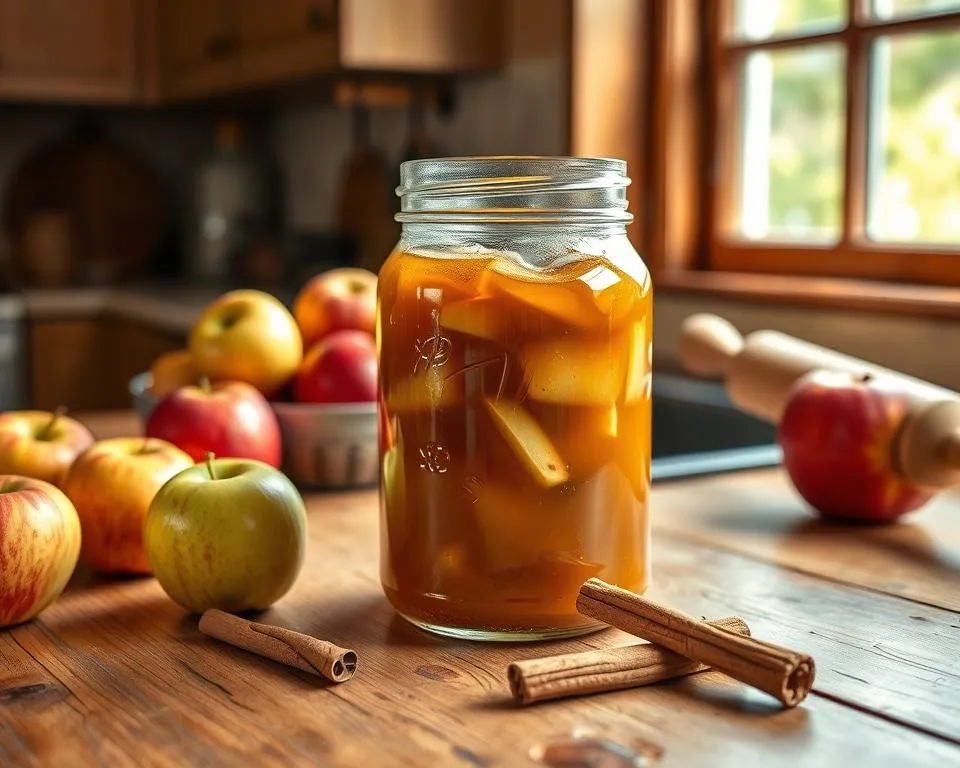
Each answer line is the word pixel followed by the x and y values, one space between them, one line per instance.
pixel 708 344
pixel 928 446
pixel 951 449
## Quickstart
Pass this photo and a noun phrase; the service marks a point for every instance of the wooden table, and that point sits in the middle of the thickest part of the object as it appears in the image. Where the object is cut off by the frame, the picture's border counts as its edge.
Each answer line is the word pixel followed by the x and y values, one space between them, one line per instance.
pixel 115 674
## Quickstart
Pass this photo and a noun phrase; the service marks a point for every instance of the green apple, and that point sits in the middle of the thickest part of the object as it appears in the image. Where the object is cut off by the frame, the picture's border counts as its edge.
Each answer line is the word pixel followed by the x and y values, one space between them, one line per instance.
pixel 228 534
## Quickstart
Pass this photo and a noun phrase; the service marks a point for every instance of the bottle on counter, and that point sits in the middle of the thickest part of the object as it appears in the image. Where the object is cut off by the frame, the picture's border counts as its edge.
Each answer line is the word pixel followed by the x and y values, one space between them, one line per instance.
pixel 230 198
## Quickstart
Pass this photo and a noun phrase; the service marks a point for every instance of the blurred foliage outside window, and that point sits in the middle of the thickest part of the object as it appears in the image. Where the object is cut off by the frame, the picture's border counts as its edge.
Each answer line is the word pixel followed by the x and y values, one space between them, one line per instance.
pixel 792 126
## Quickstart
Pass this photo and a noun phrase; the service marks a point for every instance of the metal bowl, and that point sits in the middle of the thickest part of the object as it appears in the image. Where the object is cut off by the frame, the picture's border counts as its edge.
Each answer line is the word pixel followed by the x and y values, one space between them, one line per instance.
pixel 144 400
pixel 329 446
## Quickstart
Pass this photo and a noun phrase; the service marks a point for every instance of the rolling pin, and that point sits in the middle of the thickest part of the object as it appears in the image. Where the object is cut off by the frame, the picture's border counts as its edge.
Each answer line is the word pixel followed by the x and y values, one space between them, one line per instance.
pixel 759 370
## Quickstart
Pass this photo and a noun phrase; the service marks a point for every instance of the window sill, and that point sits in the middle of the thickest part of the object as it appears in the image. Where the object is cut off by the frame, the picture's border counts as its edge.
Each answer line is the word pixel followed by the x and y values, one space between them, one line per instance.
pixel 832 293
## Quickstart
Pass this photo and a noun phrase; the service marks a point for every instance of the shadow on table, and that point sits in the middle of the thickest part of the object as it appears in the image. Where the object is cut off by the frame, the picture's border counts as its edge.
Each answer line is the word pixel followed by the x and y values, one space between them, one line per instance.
pixel 907 541
pixel 782 522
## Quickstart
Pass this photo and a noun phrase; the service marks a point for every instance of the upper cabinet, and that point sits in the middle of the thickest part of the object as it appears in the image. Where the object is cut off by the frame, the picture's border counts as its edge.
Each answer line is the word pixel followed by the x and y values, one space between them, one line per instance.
pixel 198 45
pixel 216 46
pixel 287 40
pixel 136 51
pixel 71 50
pixel 437 36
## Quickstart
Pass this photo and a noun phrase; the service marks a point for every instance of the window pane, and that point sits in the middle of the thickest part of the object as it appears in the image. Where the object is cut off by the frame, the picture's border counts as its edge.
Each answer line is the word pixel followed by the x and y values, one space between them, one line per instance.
pixel 792 133
pixel 891 9
pixel 759 19
pixel 914 176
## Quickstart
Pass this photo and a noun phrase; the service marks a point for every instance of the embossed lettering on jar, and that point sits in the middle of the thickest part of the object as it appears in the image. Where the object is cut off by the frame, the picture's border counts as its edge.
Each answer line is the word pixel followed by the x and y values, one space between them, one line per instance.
pixel 514 326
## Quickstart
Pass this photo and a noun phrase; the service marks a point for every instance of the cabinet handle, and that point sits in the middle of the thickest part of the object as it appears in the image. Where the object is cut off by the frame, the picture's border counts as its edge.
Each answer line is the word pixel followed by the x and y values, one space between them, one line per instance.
pixel 319 17
pixel 220 46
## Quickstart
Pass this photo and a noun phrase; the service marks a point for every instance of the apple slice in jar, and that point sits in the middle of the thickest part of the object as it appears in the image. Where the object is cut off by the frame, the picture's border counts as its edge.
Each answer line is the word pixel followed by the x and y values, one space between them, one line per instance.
pixel 573 371
pixel 515 530
pixel 438 280
pixel 586 436
pixel 613 296
pixel 394 525
pixel 633 446
pixel 558 296
pixel 639 349
pixel 480 316
pixel 528 441
pixel 427 389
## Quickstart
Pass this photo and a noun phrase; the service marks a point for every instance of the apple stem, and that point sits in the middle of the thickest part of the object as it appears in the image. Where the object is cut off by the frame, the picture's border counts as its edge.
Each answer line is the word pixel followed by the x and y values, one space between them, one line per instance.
pixel 143 447
pixel 204 383
pixel 47 429
pixel 210 469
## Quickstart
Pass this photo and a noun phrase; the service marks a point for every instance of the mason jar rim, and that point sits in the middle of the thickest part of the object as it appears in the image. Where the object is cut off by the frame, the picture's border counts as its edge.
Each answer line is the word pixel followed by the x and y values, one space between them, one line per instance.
pixel 513 188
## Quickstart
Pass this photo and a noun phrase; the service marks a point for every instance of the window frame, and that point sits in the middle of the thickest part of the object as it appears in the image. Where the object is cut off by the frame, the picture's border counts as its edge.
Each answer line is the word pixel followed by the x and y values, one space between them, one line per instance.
pixel 854 255
pixel 667 140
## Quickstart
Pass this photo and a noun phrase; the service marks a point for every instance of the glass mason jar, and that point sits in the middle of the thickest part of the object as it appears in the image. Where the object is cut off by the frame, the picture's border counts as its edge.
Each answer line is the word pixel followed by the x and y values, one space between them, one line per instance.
pixel 514 326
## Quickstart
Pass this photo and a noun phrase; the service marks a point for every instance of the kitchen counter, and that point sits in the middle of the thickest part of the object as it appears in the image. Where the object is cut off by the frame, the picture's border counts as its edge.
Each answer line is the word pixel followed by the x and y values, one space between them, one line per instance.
pixel 116 674
pixel 166 308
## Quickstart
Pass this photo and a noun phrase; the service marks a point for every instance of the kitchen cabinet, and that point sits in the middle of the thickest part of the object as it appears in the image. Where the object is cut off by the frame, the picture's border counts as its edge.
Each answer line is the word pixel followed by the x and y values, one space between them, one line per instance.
pixel 70 50
pixel 66 364
pixel 278 41
pixel 217 46
pixel 198 44
pixel 86 363
pixel 133 348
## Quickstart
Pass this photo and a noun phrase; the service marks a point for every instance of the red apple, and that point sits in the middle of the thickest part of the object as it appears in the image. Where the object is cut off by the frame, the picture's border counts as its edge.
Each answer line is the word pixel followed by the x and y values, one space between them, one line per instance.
pixel 230 419
pixel 112 484
pixel 337 300
pixel 340 368
pixel 40 444
pixel 837 433
pixel 39 545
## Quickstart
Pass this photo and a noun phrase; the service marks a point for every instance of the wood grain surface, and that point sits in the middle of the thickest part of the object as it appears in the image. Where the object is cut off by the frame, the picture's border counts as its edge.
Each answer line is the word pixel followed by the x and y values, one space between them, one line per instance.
pixel 759 515
pixel 114 673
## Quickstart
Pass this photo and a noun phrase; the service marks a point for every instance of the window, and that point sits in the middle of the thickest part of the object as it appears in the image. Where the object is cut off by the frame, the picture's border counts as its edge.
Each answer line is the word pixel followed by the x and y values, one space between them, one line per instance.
pixel 835 146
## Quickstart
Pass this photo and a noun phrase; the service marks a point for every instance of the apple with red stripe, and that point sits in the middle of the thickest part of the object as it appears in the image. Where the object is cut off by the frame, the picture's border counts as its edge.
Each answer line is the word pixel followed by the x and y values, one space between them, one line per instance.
pixel 39 546
pixel 112 484
pixel 342 299
pixel 41 444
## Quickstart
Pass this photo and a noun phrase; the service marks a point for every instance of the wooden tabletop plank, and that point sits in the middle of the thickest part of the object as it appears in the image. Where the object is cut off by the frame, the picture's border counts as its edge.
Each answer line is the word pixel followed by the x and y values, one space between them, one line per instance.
pixel 129 680
pixel 882 653
pixel 757 514
pixel 123 677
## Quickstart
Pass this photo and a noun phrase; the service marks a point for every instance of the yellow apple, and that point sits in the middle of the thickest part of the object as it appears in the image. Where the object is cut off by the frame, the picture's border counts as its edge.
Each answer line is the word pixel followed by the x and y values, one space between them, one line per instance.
pixel 40 444
pixel 171 371
pixel 112 484
pixel 247 336
pixel 227 534
pixel 39 545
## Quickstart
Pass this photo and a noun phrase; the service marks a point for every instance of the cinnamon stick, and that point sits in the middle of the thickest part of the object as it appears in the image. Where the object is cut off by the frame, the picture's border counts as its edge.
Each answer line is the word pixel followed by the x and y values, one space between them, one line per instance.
pixel 784 674
pixel 608 669
pixel 284 645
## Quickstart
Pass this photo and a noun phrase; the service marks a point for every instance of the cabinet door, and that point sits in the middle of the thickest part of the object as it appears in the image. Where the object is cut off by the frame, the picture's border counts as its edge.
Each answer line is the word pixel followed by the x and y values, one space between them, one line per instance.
pixel 79 50
pixel 133 348
pixel 199 46
pixel 288 39
pixel 430 36
pixel 66 364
